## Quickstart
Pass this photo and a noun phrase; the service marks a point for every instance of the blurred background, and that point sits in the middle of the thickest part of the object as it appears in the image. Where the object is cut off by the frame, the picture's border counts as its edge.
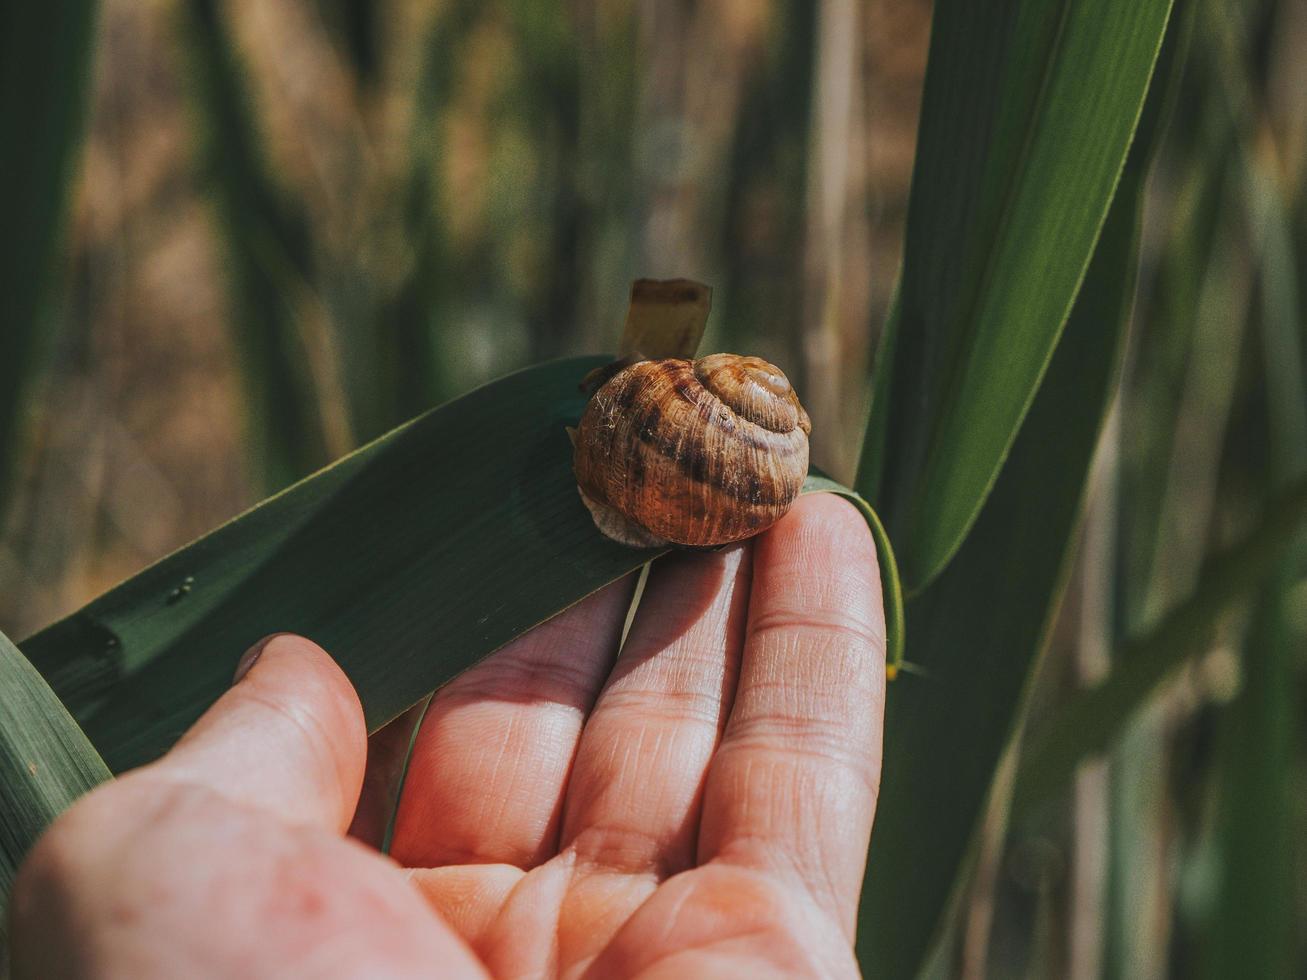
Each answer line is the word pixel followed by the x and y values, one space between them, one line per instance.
pixel 297 223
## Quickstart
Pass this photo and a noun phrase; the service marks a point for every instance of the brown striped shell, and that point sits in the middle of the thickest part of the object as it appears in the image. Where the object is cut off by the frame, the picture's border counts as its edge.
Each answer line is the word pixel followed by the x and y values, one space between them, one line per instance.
pixel 694 453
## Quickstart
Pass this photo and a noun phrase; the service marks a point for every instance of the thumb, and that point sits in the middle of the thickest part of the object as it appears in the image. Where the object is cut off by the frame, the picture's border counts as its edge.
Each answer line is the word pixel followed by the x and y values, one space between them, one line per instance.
pixel 288 737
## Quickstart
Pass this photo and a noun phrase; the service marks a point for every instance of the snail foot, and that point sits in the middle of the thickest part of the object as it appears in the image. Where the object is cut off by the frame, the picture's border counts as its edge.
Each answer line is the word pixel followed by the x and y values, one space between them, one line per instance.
pixel 613 524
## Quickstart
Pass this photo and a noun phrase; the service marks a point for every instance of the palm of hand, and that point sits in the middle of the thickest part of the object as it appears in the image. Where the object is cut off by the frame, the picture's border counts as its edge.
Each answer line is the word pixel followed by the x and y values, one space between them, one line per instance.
pixel 700 807
pixel 704 806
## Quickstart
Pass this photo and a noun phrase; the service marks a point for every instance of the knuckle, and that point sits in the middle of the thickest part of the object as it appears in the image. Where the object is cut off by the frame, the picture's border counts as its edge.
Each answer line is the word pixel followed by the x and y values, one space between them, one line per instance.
pixel 657 709
pixel 620 848
pixel 809 745
pixel 821 627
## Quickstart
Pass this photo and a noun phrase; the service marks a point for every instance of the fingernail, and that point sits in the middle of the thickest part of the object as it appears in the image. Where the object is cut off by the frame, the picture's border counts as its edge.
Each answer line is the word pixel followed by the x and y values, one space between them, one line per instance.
pixel 251 656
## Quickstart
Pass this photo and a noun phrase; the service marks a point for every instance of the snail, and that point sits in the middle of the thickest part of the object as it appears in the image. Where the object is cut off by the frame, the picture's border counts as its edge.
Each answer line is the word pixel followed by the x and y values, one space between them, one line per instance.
pixel 692 453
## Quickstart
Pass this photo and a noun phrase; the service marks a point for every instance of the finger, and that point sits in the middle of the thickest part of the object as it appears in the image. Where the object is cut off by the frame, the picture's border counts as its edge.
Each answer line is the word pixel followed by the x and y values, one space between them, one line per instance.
pixel 632 804
pixel 288 738
pixel 793 785
pixel 486 777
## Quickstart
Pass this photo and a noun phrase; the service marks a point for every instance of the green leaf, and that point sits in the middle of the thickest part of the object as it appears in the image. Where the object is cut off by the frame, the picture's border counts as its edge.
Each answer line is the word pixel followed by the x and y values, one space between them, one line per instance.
pixel 1091 720
pixel 45 763
pixel 45 55
pixel 409 560
pixel 1028 111
pixel 1094 718
pixel 978 629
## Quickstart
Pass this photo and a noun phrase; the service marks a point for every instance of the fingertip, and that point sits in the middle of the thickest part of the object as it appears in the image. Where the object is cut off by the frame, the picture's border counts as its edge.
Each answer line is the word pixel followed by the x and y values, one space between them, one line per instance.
pixel 288 736
pixel 287 662
pixel 827 514
pixel 829 533
pixel 293 665
pixel 251 656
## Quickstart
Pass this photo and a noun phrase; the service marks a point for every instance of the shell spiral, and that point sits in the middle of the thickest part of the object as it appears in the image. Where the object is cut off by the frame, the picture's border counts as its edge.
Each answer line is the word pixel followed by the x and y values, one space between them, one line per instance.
pixel 696 453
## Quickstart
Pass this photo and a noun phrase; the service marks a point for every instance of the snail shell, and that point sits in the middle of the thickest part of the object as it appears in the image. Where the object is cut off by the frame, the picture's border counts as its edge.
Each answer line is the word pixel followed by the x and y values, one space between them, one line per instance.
pixel 694 453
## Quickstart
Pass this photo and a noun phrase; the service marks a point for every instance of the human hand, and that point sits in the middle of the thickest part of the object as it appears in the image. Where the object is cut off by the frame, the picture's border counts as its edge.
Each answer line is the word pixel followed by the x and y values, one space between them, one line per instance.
pixel 700 807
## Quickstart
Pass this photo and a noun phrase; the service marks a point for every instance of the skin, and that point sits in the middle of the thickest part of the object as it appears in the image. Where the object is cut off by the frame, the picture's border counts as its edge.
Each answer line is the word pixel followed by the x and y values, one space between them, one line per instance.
pixel 699 807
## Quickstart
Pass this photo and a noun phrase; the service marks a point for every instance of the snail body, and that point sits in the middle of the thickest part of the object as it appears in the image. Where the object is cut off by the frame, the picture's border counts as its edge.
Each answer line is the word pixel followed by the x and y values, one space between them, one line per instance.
pixel 695 453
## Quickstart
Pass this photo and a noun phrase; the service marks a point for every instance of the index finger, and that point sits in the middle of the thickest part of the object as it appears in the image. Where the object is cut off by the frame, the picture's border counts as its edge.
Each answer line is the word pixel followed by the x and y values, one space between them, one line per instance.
pixel 792 789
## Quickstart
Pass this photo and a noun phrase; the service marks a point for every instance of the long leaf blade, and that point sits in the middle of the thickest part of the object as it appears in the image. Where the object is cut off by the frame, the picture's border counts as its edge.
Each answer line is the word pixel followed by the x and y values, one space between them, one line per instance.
pixel 1028 112
pixel 978 629
pixel 409 560
pixel 45 763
